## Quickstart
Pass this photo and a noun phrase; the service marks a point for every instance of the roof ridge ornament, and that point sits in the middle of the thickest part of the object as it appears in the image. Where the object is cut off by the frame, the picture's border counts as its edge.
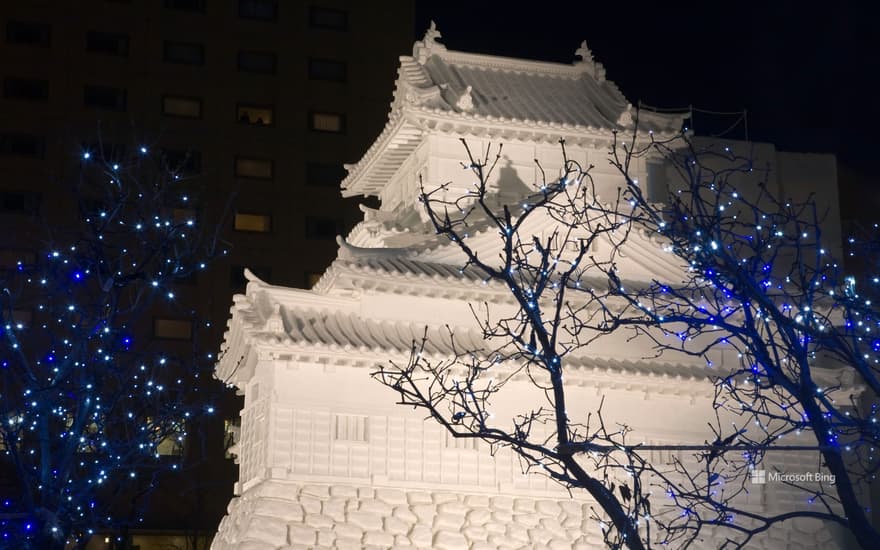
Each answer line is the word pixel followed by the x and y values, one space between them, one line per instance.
pixel 429 45
pixel 588 63
pixel 465 101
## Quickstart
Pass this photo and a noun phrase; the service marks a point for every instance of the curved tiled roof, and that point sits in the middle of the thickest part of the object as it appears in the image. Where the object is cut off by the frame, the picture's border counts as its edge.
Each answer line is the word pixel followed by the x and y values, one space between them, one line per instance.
pixel 577 100
pixel 479 93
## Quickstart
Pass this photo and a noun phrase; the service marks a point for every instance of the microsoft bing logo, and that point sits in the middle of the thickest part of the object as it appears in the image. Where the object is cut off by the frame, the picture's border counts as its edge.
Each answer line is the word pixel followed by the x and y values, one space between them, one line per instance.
pixel 759 477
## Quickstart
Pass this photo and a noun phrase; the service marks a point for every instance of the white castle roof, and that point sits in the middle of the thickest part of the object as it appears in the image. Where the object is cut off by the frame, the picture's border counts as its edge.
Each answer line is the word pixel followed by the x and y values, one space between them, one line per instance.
pixel 497 96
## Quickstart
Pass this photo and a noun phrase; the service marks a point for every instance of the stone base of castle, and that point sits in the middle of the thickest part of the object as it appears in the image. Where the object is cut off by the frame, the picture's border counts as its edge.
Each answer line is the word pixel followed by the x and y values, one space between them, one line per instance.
pixel 280 515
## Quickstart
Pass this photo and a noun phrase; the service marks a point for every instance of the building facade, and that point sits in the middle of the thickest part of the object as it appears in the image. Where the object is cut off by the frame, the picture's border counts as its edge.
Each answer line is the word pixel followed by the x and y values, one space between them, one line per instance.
pixel 327 459
pixel 257 102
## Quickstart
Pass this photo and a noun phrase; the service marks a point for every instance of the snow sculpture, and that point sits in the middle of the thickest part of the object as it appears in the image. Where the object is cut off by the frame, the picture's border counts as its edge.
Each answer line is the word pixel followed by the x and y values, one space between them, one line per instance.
pixel 327 460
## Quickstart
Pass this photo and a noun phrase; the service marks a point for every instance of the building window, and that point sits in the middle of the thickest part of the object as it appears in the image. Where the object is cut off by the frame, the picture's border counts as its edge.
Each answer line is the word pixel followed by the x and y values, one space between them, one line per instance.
pixel 25 203
pixel 350 427
pixel 169 438
pixel 187 107
pixel 257 62
pixel 33 89
pixel 107 42
pixel 328 18
pixel 182 161
pixel 324 175
pixel 28 32
pixel 256 223
pixel 327 122
pixel 172 329
pixel 326 69
pixel 237 279
pixel 264 10
pixel 185 53
pixel 262 115
pixel 185 5
pixel 249 167
pixel 105 97
pixel 323 228
pixel 15 144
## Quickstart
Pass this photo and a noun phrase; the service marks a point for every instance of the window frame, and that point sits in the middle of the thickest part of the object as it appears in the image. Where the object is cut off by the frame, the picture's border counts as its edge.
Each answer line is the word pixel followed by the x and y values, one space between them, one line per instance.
pixel 176 320
pixel 181 61
pixel 31 202
pixel 312 221
pixel 314 13
pixel 123 41
pixel 102 88
pixel 198 100
pixel 317 61
pixel 42 42
pixel 238 174
pixel 8 145
pixel 263 106
pixel 171 5
pixel 241 67
pixel 251 17
pixel 343 126
pixel 267 216
pixel 10 81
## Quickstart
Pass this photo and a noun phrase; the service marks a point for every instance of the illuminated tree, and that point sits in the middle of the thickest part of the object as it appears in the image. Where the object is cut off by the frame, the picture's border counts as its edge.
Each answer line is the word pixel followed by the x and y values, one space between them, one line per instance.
pixel 90 401
pixel 755 282
pixel 763 282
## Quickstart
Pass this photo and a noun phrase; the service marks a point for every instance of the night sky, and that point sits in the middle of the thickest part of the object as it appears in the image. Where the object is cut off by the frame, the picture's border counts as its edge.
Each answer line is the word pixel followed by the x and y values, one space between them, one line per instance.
pixel 807 77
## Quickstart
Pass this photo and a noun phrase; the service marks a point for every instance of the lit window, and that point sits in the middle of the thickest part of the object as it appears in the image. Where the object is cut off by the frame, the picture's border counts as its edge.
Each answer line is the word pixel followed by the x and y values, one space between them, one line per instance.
pixel 33 89
pixel 185 53
pixel 188 107
pixel 168 437
pixel 264 10
pixel 28 32
pixel 327 122
pixel 326 69
pixel 107 42
pixel 328 18
pixel 172 329
pixel 257 223
pixel 105 97
pixel 255 114
pixel 22 145
pixel 324 174
pixel 257 62
pixel 248 167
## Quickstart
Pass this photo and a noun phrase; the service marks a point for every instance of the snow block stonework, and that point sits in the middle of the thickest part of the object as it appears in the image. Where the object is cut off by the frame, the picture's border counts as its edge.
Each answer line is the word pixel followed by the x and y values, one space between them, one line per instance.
pixel 287 516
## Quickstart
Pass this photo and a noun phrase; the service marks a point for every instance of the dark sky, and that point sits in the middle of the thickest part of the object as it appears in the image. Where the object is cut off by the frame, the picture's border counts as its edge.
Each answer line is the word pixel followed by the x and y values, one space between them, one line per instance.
pixel 806 76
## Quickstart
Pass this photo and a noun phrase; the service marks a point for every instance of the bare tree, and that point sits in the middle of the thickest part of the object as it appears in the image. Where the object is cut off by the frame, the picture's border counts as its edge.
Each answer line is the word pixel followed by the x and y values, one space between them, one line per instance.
pixel 566 296
pixel 89 400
